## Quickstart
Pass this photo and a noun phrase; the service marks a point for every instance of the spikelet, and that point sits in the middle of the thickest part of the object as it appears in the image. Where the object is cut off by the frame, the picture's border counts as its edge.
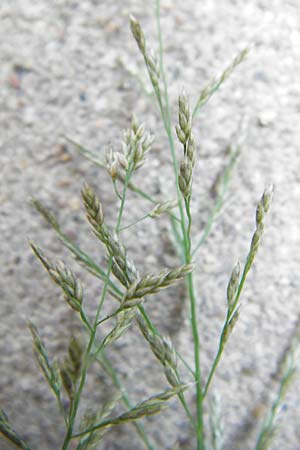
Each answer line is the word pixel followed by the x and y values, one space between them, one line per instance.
pixel 150 284
pixel 163 349
pixel 150 58
pixel 122 267
pixel 162 207
pixel 49 371
pixel 63 277
pixel 233 284
pixel 261 210
pixel 184 134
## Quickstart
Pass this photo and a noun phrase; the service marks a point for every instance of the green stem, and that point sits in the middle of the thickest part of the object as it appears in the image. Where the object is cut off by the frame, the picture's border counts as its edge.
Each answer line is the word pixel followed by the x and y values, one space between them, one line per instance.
pixel 209 224
pixel 196 338
pixel 186 242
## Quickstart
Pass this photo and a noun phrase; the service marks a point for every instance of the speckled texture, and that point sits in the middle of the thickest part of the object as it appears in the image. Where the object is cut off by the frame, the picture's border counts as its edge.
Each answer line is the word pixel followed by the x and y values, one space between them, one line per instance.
pixel 63 72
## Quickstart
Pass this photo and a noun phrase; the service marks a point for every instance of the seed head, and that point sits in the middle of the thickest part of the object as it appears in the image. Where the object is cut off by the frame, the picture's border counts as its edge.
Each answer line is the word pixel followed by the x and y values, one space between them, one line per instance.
pixel 137 33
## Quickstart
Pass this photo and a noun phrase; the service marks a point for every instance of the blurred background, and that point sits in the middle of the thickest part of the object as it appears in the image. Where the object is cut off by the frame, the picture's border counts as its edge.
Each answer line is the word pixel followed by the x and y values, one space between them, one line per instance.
pixel 72 69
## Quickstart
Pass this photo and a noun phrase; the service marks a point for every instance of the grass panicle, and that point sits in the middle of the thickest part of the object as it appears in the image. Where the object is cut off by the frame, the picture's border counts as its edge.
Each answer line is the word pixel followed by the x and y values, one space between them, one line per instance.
pixel 120 278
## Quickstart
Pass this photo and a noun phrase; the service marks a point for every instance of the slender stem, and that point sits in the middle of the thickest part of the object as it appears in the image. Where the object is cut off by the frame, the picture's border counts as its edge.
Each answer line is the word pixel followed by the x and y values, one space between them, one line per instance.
pixel 226 177
pixel 161 63
pixel 209 224
pixel 135 222
pixel 217 358
pixel 186 242
pixel 194 324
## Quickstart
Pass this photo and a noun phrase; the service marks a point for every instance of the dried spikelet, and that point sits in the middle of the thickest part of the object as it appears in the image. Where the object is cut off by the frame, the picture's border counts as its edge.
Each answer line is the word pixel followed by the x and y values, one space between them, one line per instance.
pixel 149 56
pixel 163 207
pixel 111 163
pixel 150 284
pixel 10 434
pixel 136 144
pixel 49 371
pixel 124 320
pixel 233 284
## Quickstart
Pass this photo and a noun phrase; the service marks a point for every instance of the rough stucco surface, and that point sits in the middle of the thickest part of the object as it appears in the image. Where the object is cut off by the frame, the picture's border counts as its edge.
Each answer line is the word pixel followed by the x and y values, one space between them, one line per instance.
pixel 63 72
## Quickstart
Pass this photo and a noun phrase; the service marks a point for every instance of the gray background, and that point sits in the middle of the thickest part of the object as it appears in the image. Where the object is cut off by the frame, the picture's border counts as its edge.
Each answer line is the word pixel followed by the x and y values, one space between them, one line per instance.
pixel 65 71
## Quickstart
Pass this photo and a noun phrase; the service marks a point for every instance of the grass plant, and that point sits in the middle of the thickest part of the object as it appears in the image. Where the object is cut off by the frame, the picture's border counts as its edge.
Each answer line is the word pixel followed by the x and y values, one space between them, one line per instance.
pixel 132 291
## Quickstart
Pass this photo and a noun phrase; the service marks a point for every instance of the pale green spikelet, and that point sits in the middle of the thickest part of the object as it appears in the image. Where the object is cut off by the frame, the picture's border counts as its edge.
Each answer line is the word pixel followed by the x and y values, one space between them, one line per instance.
pixel 233 284
pixel 122 267
pixel 137 33
pixel 49 371
pixel 124 320
pixel 150 284
pixel 162 207
pixel 63 277
pixel 261 210
pixel 163 349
